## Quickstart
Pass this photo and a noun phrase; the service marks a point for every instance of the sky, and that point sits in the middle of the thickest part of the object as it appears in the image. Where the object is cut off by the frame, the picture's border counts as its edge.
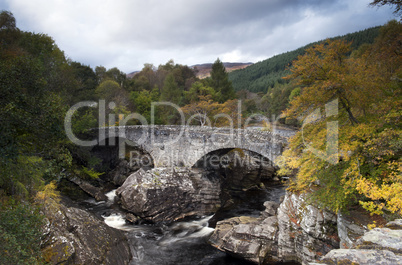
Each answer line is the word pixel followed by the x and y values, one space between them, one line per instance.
pixel 129 33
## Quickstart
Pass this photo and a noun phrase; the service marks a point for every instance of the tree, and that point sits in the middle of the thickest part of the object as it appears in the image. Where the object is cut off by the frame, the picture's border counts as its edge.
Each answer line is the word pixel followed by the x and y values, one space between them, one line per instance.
pixel 112 93
pixel 171 92
pixel 20 234
pixel 322 74
pixel 365 166
pixel 142 101
pixel 197 89
pixel 397 4
pixel 201 110
pixel 220 82
pixel 7 21
pixel 231 115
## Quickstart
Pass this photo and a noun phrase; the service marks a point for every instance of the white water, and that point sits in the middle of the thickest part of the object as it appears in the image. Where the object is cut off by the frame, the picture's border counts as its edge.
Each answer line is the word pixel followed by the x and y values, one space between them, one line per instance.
pixel 117 221
pixel 179 243
pixel 184 231
pixel 111 195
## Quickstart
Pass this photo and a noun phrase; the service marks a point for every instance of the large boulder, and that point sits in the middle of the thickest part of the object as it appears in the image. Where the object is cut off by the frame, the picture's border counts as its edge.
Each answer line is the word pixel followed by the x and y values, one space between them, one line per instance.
pixel 294 231
pixel 251 238
pixel 164 195
pixel 75 236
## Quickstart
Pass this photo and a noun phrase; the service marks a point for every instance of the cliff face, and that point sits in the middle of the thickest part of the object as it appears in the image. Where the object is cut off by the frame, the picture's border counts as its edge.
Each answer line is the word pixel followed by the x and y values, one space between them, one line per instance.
pixel 301 232
pixel 291 231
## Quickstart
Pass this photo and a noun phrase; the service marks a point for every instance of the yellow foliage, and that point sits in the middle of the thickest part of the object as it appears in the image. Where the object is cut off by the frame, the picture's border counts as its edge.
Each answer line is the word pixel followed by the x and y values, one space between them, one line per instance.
pixel 49 194
pixel 367 168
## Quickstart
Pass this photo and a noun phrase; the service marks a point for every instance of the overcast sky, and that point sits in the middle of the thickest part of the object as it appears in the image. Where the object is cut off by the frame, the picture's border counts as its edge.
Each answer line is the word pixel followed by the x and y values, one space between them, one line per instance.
pixel 128 33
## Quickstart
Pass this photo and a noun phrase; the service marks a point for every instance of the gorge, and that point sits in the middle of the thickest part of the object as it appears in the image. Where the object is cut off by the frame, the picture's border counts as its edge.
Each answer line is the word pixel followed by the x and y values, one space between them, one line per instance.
pixel 182 215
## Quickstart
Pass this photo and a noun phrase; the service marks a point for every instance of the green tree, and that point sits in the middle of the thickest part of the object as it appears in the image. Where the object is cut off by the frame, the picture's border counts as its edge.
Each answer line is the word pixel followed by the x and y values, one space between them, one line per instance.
pixel 20 234
pixel 7 21
pixel 171 91
pixel 220 82
pixel 198 89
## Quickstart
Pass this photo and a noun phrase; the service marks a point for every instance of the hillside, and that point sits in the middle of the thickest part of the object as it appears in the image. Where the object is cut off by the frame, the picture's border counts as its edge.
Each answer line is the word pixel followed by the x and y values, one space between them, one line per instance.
pixel 263 75
pixel 203 70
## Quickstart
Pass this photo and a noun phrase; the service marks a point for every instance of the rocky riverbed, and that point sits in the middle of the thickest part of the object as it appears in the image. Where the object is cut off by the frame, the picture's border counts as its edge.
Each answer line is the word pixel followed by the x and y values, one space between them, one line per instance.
pixel 236 214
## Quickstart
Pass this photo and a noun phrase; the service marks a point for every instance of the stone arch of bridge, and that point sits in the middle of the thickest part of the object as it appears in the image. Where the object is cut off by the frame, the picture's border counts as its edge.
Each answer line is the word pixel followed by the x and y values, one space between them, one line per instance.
pixel 222 151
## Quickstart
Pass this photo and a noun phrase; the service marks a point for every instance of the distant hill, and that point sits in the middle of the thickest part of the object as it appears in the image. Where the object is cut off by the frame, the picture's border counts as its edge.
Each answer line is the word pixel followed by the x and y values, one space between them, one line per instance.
pixel 203 70
pixel 132 74
pixel 262 76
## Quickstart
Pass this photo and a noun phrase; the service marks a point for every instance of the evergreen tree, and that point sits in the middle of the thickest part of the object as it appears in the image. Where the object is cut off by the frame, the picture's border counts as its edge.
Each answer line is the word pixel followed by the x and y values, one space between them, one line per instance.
pixel 220 82
pixel 171 92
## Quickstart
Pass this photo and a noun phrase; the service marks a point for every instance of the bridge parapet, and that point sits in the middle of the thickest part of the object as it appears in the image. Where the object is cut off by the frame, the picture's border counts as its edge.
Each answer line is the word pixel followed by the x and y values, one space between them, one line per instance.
pixel 183 146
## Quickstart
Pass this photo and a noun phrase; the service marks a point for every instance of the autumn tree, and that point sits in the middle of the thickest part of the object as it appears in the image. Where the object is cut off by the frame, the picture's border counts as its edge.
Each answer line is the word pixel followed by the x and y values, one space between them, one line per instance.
pixel 201 110
pixel 347 150
pixel 229 114
pixel 323 75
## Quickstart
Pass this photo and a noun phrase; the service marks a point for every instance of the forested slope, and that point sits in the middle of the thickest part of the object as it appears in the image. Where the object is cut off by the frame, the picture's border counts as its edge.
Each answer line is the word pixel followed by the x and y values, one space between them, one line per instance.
pixel 263 75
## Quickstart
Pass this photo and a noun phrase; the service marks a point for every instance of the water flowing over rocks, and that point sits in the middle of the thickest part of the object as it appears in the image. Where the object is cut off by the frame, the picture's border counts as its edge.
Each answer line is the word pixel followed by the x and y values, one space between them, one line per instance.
pixel 164 195
pixel 75 236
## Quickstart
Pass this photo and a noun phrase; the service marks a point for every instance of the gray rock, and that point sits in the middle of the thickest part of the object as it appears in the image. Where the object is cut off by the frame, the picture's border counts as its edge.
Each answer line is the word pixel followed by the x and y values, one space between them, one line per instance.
pixel 248 237
pixel 299 232
pixel 396 224
pixel 95 192
pixel 132 218
pixel 348 231
pixel 164 195
pixel 305 232
pixel 362 257
pixel 74 236
pixel 120 173
pixel 377 246
pixel 271 208
pixel 382 238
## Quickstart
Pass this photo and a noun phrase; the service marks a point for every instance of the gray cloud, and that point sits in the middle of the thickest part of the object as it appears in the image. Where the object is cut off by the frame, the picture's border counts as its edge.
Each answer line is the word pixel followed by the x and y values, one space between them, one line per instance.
pixel 127 34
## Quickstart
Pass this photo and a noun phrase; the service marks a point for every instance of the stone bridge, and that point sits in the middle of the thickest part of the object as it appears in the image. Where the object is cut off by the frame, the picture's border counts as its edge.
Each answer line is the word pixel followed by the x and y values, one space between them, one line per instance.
pixel 183 146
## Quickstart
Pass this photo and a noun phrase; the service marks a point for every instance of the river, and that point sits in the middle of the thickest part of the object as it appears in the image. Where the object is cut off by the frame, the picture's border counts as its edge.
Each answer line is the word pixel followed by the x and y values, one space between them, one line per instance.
pixel 182 242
